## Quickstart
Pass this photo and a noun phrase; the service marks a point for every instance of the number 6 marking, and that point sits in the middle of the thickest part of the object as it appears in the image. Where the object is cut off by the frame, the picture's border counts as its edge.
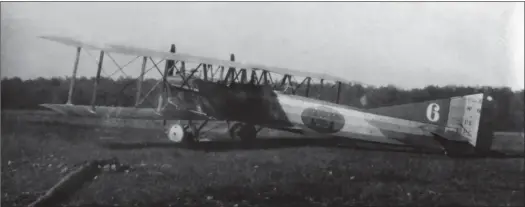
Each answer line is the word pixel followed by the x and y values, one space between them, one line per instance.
pixel 433 112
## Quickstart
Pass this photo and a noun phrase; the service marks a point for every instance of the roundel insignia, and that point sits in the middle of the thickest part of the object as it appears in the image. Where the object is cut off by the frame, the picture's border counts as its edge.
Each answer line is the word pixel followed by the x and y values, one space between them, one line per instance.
pixel 323 119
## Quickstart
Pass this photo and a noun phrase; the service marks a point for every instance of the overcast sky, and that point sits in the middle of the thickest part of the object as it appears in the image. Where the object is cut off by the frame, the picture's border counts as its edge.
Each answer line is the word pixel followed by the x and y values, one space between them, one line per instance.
pixel 404 44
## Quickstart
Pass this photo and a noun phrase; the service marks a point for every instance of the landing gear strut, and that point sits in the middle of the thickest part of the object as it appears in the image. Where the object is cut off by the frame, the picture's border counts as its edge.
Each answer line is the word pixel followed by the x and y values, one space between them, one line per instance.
pixel 244 132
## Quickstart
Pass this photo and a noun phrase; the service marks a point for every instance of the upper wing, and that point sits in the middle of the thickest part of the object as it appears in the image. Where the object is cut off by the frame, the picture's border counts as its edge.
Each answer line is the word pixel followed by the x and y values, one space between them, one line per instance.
pixel 72 42
pixel 190 58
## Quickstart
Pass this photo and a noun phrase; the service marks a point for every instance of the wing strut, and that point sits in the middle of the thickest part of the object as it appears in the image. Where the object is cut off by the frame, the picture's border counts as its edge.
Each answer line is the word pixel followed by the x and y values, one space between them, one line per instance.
pixel 99 69
pixel 338 92
pixel 308 87
pixel 320 94
pixel 140 80
pixel 72 84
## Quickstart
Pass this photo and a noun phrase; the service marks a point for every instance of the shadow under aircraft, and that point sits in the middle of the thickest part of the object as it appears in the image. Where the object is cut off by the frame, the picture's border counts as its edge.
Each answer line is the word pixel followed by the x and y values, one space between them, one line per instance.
pixel 294 142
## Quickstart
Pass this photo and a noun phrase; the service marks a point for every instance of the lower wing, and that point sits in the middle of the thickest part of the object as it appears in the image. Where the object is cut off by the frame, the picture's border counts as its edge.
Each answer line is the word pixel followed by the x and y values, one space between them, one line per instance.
pixel 125 112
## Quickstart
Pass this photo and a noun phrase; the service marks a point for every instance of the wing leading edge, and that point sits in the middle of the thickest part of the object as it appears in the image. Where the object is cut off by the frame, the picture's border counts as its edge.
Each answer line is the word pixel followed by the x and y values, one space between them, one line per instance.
pixel 125 112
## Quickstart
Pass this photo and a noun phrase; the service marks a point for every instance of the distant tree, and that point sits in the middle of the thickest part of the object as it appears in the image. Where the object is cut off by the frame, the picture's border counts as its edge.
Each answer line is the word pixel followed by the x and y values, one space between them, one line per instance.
pixel 28 94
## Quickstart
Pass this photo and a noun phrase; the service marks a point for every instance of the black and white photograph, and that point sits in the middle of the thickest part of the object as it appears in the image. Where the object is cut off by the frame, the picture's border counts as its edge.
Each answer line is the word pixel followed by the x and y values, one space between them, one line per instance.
pixel 262 103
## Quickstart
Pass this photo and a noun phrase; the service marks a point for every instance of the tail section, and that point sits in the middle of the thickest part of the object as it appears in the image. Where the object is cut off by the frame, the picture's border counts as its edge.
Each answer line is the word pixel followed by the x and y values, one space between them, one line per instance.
pixel 465 115
pixel 485 128
pixel 462 119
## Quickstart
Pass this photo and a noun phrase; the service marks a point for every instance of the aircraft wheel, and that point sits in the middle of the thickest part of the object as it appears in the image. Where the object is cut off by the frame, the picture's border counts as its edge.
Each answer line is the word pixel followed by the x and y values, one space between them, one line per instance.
pixel 233 131
pixel 244 132
pixel 191 135
pixel 178 133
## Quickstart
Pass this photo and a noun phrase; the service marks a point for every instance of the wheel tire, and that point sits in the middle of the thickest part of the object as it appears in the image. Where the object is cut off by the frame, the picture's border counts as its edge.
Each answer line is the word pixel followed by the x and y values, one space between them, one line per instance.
pixel 243 132
pixel 234 131
pixel 247 133
pixel 189 137
pixel 176 133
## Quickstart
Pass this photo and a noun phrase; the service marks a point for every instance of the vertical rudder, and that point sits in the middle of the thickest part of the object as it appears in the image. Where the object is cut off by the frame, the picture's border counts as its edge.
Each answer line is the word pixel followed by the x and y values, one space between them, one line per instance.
pixel 477 119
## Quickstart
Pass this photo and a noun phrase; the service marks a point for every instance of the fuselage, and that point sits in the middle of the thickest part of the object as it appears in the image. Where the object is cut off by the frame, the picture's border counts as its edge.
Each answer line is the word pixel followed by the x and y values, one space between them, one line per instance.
pixel 316 117
pixel 410 124
pixel 273 109
pixel 260 105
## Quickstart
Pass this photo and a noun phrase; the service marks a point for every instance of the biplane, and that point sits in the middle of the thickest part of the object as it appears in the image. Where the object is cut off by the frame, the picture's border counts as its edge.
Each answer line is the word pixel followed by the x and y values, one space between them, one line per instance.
pixel 248 98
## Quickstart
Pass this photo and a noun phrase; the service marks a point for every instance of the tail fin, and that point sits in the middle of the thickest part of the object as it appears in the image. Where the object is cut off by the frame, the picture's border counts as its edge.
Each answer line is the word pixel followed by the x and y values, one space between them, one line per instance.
pixel 463 118
pixel 485 135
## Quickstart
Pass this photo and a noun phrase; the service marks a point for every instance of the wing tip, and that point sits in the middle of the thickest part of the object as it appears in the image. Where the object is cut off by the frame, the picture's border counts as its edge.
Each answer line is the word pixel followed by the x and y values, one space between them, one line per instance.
pixel 53 107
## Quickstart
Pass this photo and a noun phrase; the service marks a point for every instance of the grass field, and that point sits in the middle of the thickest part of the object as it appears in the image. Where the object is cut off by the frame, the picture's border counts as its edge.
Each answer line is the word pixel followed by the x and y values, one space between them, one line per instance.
pixel 35 155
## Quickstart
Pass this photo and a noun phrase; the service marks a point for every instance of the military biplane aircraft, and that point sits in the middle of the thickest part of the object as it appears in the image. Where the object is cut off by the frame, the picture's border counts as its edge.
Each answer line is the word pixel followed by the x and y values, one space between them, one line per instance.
pixel 247 96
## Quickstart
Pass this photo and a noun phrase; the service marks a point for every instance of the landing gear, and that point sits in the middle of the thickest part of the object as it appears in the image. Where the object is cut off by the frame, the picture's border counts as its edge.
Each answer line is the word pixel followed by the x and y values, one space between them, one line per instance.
pixel 244 132
pixel 185 133
pixel 182 134
pixel 176 133
pixel 189 133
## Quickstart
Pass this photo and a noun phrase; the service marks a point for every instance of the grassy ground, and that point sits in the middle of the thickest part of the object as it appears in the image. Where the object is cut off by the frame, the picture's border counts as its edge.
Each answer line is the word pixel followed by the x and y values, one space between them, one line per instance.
pixel 36 155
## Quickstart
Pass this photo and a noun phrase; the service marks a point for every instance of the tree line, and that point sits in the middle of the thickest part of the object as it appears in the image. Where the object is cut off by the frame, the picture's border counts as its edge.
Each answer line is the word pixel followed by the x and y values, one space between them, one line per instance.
pixel 28 94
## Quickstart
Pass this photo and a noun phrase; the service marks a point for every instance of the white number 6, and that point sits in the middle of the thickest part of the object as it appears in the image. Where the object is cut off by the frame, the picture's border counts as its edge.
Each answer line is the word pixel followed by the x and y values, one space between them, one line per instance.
pixel 433 112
